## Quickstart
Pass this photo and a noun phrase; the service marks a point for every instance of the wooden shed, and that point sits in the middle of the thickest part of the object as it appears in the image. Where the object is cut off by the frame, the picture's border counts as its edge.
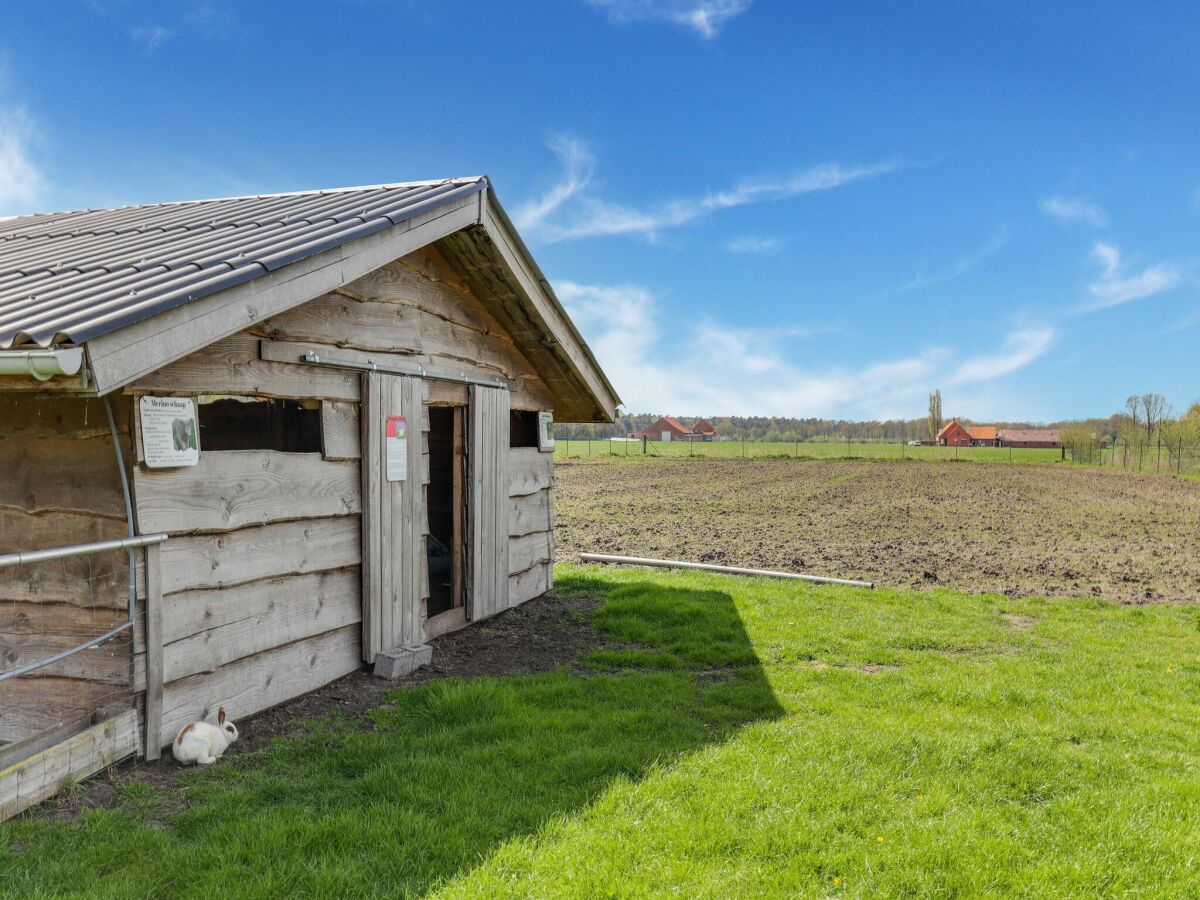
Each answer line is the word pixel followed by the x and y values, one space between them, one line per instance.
pixel 250 444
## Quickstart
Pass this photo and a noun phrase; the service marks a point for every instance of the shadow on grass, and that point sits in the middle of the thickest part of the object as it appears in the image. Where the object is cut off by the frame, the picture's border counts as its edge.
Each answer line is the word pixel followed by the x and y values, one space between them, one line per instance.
pixel 447 773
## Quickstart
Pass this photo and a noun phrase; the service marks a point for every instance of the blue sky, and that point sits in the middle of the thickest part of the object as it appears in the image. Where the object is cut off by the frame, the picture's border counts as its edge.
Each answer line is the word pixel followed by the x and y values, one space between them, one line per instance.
pixel 749 206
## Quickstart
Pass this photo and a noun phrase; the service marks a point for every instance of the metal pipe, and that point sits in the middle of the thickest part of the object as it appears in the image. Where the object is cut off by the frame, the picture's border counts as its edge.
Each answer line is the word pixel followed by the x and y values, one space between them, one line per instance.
pixel 116 439
pixel 41 364
pixel 316 359
pixel 32 556
pixel 728 570
pixel 63 654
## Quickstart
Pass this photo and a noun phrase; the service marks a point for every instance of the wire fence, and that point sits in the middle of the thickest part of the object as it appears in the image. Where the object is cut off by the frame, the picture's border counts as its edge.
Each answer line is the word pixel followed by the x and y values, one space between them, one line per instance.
pixel 574 448
pixel 1145 456
pixel 48 609
pixel 1154 455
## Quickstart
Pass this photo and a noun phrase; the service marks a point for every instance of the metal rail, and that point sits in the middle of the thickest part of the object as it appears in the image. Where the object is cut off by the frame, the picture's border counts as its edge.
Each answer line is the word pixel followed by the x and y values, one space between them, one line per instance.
pixel 706 567
pixel 316 359
pixel 33 556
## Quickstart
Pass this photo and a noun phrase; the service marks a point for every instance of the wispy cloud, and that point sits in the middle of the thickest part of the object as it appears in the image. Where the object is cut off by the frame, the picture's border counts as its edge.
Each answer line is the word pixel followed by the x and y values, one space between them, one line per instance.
pixel 1074 211
pixel 151 37
pixel 569 211
pixel 705 17
pixel 209 19
pixel 752 244
pixel 750 371
pixel 960 267
pixel 1115 287
pixel 21 179
pixel 1021 347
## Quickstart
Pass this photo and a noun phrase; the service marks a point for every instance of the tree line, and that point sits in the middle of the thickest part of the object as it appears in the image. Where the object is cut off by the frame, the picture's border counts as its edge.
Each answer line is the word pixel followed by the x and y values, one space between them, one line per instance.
pixel 1141 423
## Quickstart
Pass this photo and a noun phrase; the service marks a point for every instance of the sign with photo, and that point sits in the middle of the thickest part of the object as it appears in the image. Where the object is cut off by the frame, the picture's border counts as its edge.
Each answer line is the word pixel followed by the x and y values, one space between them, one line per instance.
pixel 170 432
pixel 546 432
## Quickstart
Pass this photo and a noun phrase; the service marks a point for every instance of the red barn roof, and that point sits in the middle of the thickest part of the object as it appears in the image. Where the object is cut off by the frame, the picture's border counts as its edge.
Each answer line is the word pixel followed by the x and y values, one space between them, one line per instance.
pixel 703 427
pixel 982 432
pixel 666 423
pixel 949 428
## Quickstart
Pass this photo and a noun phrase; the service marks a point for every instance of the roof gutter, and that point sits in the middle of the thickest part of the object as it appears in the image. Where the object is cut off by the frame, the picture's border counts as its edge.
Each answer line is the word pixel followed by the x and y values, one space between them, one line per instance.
pixel 41 364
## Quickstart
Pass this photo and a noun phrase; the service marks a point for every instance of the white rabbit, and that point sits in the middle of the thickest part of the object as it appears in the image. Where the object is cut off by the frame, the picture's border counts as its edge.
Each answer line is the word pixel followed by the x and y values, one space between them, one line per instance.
pixel 202 743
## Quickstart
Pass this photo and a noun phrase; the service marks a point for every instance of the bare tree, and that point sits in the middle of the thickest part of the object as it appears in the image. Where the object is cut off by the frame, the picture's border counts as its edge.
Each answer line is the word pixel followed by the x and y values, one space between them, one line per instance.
pixel 935 414
pixel 1155 408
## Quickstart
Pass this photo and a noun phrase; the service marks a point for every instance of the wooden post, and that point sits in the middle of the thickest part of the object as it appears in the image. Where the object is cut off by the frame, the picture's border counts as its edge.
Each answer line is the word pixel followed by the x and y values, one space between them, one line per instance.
pixel 154 651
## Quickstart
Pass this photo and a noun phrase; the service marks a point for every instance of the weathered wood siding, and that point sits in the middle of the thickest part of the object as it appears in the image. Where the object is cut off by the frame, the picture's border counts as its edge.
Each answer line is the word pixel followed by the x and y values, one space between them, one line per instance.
pixel 488 459
pixel 530 523
pixel 60 486
pixel 261 580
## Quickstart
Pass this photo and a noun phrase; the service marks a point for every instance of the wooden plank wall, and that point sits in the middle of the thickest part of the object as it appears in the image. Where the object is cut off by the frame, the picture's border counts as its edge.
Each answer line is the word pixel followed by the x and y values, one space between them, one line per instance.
pixel 530 523
pixel 261 579
pixel 61 486
pixel 260 576
pixel 394 579
pixel 42 775
pixel 488 458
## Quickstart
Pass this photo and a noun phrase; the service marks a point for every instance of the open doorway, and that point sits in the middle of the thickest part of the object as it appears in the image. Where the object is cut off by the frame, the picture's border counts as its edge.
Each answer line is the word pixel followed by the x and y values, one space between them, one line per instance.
pixel 445 511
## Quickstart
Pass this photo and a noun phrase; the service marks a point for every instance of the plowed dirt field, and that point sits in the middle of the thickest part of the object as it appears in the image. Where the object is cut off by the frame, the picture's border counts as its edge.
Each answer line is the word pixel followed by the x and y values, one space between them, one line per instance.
pixel 1052 530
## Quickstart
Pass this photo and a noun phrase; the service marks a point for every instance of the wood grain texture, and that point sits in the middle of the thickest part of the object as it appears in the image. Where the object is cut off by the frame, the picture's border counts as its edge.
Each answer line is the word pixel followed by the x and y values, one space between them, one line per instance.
pixel 341 431
pixel 41 776
pixel 372 523
pixel 529 550
pixel 80 417
pixel 251 554
pixel 233 366
pixel 61 474
pixel 234 488
pixel 529 393
pixel 153 669
pixel 487 560
pixel 209 629
pixel 35 703
pixel 529 513
pixel 530 471
pixel 533 582
pixel 261 681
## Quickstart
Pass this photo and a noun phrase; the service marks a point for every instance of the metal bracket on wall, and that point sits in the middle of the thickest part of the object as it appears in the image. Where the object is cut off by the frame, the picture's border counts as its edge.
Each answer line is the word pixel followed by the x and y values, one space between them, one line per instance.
pixel 316 359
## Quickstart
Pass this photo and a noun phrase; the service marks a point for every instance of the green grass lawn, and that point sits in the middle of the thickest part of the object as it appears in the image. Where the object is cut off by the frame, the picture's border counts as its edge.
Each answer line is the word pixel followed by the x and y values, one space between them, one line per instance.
pixel 754 737
pixel 564 449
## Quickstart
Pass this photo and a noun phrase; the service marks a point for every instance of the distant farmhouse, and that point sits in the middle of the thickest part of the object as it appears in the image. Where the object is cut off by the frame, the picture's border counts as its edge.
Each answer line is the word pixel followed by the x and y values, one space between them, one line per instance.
pixel 955 434
pixel 670 429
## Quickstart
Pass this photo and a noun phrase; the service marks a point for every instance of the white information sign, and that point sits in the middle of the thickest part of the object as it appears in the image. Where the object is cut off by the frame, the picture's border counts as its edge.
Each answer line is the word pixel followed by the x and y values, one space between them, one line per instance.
pixel 170 432
pixel 546 432
pixel 396 448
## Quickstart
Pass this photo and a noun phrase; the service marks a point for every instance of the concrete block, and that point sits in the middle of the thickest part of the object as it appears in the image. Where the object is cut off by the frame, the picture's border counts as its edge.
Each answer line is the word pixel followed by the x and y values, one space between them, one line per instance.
pixel 401 661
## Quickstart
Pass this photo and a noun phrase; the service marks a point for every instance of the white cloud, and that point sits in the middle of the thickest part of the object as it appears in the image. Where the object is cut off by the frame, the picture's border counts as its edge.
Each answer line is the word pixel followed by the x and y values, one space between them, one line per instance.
pixel 569 212
pixel 1074 211
pixel 21 181
pixel 705 17
pixel 578 164
pixel 961 267
pixel 1114 287
pixel 151 37
pixel 716 369
pixel 1021 347
pixel 755 245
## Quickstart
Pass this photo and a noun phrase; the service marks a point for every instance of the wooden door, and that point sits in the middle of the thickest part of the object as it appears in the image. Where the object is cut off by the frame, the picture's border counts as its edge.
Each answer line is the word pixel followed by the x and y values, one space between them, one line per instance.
pixel 393 512
pixel 487 513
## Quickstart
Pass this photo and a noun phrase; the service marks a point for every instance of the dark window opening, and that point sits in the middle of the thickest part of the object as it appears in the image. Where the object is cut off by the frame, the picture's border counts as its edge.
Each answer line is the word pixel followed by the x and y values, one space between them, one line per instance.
pixel 522 428
pixel 444 511
pixel 284 425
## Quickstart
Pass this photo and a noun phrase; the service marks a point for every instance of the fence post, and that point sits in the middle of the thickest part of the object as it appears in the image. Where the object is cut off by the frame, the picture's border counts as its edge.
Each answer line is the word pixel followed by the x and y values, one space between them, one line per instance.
pixel 743 445
pixel 154 651
pixel 1179 457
